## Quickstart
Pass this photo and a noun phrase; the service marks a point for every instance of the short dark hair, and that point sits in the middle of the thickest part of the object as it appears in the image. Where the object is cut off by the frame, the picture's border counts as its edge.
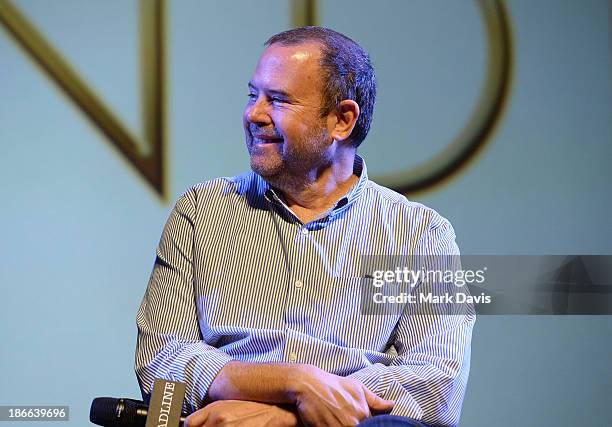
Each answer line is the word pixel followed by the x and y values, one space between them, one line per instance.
pixel 348 72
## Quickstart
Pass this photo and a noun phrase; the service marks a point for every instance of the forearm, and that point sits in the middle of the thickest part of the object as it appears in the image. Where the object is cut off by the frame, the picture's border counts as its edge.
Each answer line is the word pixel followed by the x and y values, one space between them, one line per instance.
pixel 320 398
pixel 260 382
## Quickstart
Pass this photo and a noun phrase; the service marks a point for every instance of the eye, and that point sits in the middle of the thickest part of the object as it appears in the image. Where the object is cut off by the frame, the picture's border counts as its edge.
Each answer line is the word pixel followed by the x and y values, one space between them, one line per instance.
pixel 252 95
pixel 278 100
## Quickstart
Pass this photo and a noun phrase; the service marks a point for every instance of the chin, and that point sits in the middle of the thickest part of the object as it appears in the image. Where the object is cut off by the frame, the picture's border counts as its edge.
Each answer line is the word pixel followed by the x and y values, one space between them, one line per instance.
pixel 265 167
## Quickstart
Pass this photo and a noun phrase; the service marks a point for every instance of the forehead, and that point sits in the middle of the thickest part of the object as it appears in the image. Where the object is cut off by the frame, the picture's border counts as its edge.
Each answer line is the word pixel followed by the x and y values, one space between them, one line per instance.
pixel 294 68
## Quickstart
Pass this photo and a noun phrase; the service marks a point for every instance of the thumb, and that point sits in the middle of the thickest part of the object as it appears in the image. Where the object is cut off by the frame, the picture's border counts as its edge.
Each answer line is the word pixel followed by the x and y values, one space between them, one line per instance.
pixel 377 404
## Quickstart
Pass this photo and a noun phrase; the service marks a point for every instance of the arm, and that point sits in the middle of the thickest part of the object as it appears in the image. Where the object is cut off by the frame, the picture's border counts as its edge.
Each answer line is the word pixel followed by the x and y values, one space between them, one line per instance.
pixel 169 342
pixel 320 398
pixel 170 345
pixel 427 378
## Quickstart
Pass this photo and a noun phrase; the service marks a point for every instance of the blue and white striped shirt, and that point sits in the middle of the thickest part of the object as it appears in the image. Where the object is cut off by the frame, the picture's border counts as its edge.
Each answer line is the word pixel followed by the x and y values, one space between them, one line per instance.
pixel 239 277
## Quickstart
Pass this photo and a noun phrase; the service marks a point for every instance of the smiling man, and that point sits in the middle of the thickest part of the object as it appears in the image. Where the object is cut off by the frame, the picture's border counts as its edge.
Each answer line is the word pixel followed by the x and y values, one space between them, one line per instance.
pixel 295 144
pixel 255 297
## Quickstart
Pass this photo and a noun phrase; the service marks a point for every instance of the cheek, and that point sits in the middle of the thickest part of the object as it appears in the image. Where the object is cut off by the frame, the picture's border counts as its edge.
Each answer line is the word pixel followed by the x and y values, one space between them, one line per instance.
pixel 295 125
pixel 280 123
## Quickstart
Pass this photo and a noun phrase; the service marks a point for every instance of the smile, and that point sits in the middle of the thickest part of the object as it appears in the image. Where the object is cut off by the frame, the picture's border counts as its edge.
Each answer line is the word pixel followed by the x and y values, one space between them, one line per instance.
pixel 264 139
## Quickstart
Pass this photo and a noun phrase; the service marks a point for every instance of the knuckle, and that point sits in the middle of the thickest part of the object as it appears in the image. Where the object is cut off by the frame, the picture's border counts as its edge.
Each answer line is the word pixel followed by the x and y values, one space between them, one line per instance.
pixel 219 417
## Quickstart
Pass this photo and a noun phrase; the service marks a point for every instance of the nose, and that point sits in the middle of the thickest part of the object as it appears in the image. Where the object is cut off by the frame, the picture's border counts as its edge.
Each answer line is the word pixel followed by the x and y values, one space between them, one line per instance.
pixel 257 112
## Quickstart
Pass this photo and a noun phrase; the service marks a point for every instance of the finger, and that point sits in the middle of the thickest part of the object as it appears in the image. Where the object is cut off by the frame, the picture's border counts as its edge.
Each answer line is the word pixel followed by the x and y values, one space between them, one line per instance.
pixel 196 419
pixel 377 403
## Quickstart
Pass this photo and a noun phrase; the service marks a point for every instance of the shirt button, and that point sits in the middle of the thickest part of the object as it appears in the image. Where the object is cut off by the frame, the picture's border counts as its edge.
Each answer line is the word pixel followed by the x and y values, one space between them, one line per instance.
pixel 304 231
pixel 299 284
pixel 292 357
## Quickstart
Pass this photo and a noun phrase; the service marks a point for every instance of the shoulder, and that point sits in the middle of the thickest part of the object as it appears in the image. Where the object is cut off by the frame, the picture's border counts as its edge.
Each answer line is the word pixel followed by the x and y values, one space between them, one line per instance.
pixel 415 226
pixel 221 198
pixel 219 189
pixel 399 206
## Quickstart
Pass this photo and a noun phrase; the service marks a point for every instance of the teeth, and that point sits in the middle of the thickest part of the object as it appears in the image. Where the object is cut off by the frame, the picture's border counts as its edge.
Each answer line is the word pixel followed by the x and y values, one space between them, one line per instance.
pixel 265 140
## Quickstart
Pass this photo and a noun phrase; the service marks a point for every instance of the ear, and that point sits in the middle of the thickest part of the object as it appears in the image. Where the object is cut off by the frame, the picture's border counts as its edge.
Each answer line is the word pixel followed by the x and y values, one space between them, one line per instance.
pixel 344 119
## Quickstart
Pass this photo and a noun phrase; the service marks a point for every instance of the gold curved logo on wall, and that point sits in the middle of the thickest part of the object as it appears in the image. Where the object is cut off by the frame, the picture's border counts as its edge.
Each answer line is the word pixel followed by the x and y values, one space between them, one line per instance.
pixel 147 155
pixel 477 131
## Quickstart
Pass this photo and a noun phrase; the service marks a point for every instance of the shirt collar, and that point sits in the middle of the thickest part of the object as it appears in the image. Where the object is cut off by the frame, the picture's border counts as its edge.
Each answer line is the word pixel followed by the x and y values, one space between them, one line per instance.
pixel 341 206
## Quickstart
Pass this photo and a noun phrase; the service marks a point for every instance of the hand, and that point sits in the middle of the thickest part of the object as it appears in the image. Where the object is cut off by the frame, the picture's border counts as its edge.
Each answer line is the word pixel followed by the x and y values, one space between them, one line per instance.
pixel 324 399
pixel 241 413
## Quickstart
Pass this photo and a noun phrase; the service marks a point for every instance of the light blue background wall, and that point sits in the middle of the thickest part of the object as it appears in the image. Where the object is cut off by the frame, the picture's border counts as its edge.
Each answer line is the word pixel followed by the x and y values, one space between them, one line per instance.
pixel 78 227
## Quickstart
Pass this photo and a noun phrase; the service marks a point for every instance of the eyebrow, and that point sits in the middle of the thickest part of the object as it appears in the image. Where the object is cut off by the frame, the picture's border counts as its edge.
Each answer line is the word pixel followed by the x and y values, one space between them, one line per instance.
pixel 273 91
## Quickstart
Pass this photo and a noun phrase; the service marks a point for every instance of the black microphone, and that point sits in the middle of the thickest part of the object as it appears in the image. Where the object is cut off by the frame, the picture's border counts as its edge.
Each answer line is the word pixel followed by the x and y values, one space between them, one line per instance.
pixel 113 412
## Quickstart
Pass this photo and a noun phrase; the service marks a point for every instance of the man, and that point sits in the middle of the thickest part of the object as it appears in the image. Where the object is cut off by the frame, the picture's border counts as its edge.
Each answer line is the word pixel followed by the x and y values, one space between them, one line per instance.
pixel 254 299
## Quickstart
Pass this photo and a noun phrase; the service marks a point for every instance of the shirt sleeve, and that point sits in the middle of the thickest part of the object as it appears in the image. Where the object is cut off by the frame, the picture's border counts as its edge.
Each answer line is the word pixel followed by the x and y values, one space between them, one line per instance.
pixel 169 344
pixel 428 376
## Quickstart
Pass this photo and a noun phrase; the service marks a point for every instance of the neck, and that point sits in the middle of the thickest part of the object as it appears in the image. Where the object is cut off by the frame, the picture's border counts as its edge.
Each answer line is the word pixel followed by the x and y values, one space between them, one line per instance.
pixel 318 193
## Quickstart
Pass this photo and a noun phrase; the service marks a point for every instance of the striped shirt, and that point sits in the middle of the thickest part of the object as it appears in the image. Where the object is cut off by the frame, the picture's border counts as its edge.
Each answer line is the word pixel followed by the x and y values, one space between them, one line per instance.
pixel 239 277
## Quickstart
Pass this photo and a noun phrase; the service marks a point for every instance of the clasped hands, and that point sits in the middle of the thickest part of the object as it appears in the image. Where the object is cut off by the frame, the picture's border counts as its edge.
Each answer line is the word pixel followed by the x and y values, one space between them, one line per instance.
pixel 318 399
